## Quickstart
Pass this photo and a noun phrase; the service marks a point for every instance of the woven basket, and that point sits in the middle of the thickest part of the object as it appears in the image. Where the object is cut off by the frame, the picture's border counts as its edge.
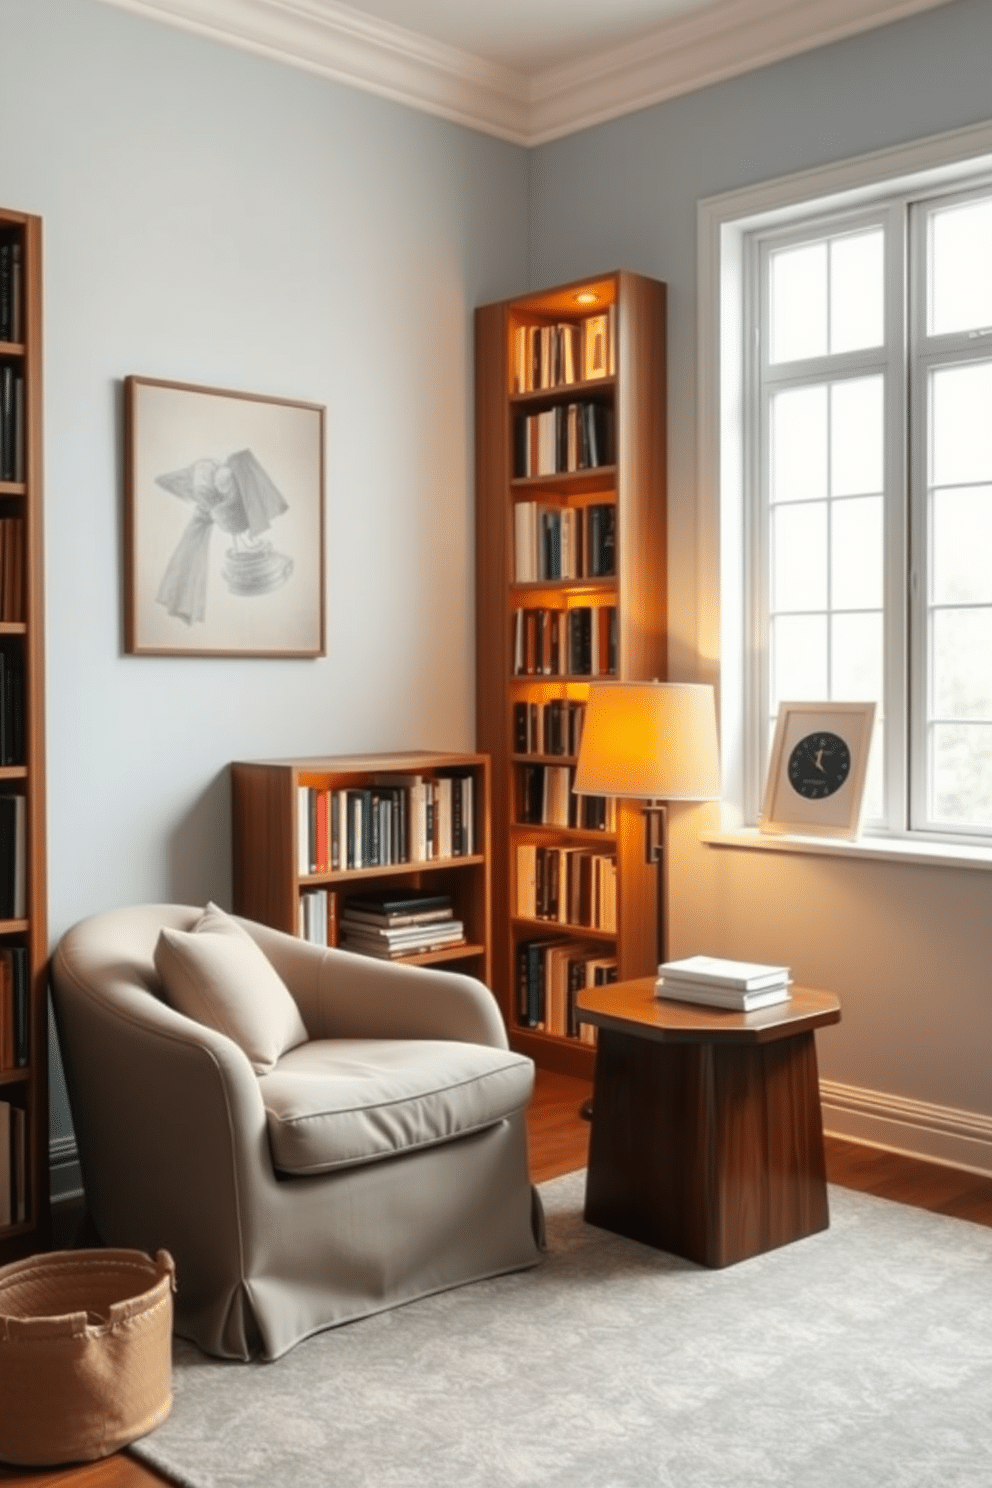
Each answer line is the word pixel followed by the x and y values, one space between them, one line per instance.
pixel 85 1353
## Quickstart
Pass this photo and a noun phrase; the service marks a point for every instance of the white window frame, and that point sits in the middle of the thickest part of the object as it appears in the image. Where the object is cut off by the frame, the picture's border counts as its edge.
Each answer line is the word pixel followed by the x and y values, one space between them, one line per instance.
pixel 924 168
pixel 890 361
pixel 953 349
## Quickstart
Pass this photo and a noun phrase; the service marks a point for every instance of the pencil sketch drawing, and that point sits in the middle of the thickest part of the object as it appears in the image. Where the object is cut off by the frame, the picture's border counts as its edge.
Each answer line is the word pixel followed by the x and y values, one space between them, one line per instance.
pixel 237 496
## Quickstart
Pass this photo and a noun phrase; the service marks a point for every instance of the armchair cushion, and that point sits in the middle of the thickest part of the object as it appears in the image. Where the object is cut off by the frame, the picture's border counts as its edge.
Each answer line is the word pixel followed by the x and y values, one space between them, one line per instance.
pixel 336 1103
pixel 217 975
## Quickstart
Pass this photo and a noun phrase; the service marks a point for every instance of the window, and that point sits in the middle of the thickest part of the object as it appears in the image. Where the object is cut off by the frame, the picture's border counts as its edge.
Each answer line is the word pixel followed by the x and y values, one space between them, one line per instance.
pixel 867 491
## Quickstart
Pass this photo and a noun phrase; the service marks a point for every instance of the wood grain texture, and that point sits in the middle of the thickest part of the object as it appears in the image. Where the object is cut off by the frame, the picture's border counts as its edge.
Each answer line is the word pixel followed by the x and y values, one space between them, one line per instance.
pixel 493 576
pixel 704 1145
pixel 641 422
pixel 633 1006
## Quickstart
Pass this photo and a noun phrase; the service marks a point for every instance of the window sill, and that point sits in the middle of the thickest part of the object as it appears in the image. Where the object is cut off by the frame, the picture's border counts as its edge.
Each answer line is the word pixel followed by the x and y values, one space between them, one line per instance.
pixel 880 849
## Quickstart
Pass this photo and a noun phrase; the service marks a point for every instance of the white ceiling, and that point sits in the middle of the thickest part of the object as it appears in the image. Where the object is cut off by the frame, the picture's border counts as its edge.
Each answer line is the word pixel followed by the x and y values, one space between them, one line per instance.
pixel 527 70
pixel 530 35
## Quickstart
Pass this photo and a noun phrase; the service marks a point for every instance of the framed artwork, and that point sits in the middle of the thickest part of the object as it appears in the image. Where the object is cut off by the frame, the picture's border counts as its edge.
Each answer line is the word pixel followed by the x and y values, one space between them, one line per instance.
pixel 224 522
pixel 816 775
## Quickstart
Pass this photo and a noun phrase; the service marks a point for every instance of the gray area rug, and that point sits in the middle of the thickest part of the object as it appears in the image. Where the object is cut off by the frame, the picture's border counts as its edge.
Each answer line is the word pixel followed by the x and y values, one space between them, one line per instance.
pixel 860 1358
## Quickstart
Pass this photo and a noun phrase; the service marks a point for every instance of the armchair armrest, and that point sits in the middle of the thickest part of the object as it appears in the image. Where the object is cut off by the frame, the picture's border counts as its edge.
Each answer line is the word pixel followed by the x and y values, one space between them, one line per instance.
pixel 343 995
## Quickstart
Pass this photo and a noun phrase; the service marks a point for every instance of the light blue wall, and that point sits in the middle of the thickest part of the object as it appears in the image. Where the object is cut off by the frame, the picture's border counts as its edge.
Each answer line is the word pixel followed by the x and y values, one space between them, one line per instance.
pixel 906 947
pixel 215 218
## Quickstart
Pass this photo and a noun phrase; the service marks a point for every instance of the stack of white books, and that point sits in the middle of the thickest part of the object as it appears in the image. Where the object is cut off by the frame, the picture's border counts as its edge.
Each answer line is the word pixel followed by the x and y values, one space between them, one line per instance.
pixel 715 982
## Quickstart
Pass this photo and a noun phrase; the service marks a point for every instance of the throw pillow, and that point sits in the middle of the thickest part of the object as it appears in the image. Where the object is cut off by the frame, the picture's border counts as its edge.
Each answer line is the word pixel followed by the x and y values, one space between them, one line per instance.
pixel 217 975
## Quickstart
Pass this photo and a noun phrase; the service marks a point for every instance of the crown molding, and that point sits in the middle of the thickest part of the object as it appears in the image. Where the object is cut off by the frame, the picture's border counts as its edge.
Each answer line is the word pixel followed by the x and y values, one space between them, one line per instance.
pixel 336 41
pixel 693 51
pixel 722 40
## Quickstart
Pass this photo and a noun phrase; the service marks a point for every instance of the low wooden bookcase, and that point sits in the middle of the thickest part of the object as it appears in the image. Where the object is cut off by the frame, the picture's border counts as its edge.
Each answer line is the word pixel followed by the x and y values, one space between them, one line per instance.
pixel 268 827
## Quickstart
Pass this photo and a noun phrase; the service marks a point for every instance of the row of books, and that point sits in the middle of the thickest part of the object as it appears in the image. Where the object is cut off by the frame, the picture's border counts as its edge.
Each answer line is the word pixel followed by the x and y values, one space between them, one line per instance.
pixel 563 440
pixel 571 885
pixel 13 857
pixel 13 1164
pixel 10 287
pixel 571 542
pixel 393 924
pixel 396 819
pixel 548 356
pixel 11 704
pixel 11 568
pixel 576 642
pixel 13 1007
pixel 546 798
pixel 552 727
pixel 715 981
pixel 550 976
pixel 11 423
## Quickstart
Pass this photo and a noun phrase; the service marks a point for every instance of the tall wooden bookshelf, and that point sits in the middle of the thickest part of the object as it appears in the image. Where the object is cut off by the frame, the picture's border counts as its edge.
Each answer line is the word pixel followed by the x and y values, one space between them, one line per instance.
pixel 629 479
pixel 269 881
pixel 23 935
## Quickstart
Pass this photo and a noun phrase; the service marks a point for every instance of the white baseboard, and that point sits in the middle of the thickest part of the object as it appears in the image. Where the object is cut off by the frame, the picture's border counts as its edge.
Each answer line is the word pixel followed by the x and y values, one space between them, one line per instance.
pixel 962 1139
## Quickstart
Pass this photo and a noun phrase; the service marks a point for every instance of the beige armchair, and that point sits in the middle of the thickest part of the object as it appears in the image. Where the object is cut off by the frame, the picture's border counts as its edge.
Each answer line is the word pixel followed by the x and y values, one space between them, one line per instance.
pixel 379 1159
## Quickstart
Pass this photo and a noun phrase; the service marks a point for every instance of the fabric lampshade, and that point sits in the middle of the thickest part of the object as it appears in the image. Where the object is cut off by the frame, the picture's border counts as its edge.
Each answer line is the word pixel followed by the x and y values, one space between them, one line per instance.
pixel 652 741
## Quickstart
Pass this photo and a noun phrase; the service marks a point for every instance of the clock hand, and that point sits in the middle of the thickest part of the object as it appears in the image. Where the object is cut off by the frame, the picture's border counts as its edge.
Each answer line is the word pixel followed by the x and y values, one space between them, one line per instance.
pixel 818 760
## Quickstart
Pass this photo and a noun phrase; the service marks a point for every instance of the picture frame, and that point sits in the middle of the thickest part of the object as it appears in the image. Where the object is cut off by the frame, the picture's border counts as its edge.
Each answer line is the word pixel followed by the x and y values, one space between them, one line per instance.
pixel 224 522
pixel 817 769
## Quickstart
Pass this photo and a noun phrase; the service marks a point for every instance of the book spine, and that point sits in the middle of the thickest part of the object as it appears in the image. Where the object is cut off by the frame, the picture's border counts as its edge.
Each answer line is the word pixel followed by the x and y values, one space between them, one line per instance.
pixel 311 829
pixel 6 422
pixel 6 1171
pixel 6 289
pixel 457 824
pixel 8 853
pixel 7 1013
pixel 16 300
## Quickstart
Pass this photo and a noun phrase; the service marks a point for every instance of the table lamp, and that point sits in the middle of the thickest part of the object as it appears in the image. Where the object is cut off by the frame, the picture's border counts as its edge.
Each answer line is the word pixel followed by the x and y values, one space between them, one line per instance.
pixel 653 742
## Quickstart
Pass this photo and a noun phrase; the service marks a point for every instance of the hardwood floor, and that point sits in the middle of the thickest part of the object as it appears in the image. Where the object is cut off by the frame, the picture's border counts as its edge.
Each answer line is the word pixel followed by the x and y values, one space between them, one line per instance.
pixel 559 1141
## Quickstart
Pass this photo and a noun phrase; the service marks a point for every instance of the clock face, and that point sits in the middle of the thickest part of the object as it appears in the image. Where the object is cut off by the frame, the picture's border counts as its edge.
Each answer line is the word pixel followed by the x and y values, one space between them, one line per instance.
pixel 818 765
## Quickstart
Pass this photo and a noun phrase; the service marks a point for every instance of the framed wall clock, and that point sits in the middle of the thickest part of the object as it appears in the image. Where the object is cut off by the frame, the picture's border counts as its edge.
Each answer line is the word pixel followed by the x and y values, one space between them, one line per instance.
pixel 817 770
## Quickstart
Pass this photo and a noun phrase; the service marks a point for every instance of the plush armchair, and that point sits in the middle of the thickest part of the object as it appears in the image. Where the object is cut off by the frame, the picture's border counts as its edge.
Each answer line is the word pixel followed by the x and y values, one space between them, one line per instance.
pixel 375 1154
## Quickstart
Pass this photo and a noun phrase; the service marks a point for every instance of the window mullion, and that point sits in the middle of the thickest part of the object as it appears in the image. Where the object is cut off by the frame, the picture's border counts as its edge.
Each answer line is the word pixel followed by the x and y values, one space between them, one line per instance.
pixel 894 721
pixel 919 528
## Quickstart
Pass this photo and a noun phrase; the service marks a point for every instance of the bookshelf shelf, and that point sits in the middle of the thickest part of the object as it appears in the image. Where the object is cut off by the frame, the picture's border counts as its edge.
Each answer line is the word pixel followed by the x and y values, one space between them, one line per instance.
pixel 564 586
pixel 438 958
pixel 24 1204
pixel 584 836
pixel 519 351
pixel 355 875
pixel 562 927
pixel 543 759
pixel 269 885
pixel 567 482
pixel 598 388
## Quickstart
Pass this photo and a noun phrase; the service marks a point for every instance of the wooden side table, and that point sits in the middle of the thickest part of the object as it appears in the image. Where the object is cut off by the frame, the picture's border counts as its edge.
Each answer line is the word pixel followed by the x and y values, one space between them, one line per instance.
pixel 707 1137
